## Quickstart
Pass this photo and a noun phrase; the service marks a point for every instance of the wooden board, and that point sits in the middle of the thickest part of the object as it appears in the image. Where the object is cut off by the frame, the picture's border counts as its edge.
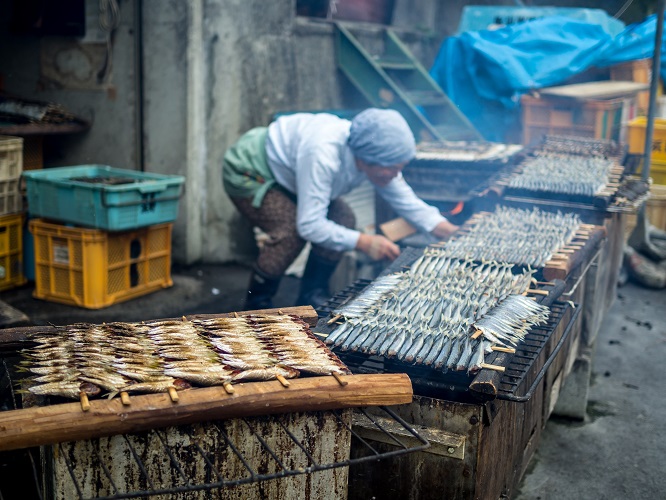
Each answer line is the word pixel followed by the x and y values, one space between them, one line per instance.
pixel 562 267
pixel 67 422
pixel 595 90
pixel 397 229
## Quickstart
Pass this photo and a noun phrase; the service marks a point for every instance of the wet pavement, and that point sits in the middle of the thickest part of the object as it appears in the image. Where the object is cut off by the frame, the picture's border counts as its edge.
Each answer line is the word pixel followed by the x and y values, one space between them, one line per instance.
pixel 618 451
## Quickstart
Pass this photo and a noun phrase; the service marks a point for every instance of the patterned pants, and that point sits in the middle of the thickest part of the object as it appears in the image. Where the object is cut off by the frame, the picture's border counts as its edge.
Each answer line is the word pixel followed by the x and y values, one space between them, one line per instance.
pixel 277 217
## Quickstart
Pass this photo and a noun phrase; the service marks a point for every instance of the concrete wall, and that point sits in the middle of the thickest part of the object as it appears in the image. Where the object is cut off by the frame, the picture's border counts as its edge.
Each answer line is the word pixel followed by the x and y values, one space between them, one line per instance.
pixel 255 59
pixel 187 79
pixel 64 70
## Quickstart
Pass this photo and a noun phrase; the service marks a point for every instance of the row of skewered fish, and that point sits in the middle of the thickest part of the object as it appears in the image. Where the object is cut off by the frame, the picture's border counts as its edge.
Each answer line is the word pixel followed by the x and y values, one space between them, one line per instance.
pixel 528 237
pixel 563 173
pixel 456 151
pixel 578 146
pixel 172 354
pixel 443 313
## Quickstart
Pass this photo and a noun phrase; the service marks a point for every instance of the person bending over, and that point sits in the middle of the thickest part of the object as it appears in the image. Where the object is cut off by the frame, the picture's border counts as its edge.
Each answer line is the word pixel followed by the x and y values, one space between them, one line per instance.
pixel 288 179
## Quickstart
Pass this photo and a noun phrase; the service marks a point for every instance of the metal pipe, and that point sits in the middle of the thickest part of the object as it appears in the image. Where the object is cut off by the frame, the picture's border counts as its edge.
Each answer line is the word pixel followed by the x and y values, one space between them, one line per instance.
pixel 139 158
pixel 654 80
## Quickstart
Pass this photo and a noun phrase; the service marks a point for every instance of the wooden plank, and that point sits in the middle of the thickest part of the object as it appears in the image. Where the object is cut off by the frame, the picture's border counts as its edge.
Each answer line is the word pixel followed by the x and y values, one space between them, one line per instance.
pixel 397 229
pixel 66 422
pixel 560 269
pixel 595 90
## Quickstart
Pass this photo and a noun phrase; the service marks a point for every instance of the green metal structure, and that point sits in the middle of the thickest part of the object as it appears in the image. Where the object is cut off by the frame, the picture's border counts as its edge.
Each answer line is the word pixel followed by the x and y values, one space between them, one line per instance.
pixel 395 79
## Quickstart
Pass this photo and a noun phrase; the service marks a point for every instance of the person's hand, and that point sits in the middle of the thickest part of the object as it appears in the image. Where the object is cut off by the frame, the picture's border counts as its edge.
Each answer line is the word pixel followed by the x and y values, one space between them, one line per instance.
pixel 377 247
pixel 444 230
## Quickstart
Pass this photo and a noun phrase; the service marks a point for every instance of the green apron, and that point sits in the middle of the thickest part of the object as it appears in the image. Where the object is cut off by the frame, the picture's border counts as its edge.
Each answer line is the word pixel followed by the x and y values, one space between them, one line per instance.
pixel 245 171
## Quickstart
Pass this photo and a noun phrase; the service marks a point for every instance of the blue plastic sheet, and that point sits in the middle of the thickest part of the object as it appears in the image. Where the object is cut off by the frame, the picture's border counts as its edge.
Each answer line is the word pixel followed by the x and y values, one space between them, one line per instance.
pixel 481 17
pixel 635 42
pixel 485 72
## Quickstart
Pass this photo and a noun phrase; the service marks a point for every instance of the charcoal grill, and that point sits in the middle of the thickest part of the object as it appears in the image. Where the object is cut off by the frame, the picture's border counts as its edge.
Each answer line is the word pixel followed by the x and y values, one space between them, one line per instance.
pixel 458 171
pixel 523 370
pixel 235 457
pixel 623 194
pixel 448 174
pixel 483 430
pixel 598 291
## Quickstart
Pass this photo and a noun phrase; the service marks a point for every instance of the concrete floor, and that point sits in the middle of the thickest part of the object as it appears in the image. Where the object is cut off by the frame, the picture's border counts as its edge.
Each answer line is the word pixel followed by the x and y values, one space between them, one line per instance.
pixel 616 453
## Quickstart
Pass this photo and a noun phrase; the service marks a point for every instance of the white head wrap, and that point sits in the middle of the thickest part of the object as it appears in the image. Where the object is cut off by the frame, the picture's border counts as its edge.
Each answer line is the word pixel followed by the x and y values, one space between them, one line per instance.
pixel 381 137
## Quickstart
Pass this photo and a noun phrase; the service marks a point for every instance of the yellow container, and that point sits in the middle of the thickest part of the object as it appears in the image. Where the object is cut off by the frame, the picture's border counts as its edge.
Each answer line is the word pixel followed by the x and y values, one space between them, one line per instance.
pixel 93 269
pixel 655 210
pixel 657 171
pixel 11 251
pixel 636 129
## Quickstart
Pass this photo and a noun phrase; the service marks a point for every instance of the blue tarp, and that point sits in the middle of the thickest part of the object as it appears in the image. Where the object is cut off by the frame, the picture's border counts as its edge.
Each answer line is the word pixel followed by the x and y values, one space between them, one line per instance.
pixel 481 17
pixel 485 72
pixel 635 42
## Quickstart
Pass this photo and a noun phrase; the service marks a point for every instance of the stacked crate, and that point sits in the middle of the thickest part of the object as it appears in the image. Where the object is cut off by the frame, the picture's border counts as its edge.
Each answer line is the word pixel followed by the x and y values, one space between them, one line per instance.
pixel 593 118
pixel 11 213
pixel 103 235
pixel 656 204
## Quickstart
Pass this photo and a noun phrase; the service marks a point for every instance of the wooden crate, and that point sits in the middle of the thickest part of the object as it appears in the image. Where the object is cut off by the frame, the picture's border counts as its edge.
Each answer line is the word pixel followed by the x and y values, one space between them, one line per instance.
pixel 639 71
pixel 595 118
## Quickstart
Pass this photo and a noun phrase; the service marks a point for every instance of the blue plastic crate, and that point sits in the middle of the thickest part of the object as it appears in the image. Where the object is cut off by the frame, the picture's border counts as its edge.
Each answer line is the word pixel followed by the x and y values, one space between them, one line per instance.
pixel 102 197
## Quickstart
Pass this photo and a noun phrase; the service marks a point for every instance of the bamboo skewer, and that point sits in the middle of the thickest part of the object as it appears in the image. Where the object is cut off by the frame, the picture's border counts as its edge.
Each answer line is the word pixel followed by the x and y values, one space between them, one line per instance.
pixel 85 404
pixel 228 388
pixel 339 378
pixel 493 367
pixel 334 319
pixel 477 334
pixel 173 394
pixel 538 292
pixel 497 348
pixel 124 398
pixel 285 383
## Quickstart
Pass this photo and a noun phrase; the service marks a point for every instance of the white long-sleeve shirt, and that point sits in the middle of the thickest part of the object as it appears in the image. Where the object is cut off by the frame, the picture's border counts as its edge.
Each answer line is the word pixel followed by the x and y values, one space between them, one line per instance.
pixel 309 156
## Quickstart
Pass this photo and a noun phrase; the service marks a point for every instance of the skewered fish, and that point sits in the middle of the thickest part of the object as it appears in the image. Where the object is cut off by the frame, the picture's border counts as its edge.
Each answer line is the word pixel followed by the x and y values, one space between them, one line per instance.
pixel 172 354
pixel 428 314
pixel 563 173
pixel 579 146
pixel 528 237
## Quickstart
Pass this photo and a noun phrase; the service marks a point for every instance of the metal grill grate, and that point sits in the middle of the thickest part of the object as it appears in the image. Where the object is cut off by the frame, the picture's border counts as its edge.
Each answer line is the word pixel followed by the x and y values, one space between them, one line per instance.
pixel 243 441
pixel 522 370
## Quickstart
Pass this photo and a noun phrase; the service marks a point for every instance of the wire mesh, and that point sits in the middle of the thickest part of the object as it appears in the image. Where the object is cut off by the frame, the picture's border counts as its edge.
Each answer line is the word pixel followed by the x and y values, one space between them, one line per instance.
pixel 518 367
pixel 227 453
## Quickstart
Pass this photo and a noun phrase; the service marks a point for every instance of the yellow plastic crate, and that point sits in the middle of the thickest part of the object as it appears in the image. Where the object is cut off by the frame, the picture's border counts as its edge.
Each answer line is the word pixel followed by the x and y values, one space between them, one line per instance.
pixel 594 118
pixel 655 210
pixel 11 157
pixel 636 129
pixel 11 251
pixel 657 171
pixel 93 269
